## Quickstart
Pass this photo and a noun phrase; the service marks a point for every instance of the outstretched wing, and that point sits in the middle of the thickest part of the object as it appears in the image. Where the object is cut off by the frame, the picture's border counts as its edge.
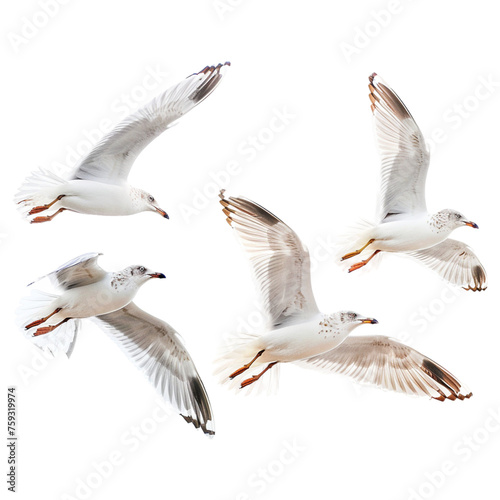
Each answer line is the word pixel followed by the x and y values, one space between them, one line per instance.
pixel 111 160
pixel 82 270
pixel 455 262
pixel 404 154
pixel 386 363
pixel 280 261
pixel 158 351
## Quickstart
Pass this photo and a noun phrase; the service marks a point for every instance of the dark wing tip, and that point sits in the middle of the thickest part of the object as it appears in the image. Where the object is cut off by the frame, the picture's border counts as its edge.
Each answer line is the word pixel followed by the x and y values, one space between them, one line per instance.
pixel 213 75
pixel 205 427
pixel 464 396
pixel 479 279
pixel 225 203
pixel 248 209
pixel 478 282
pixel 383 96
pixel 474 289
pixel 209 69
pixel 201 414
pixel 372 95
pixel 446 379
pixel 440 398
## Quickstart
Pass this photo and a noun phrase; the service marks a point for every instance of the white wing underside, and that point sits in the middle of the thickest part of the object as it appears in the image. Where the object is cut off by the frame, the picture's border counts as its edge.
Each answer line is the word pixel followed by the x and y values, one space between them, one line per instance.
pixel 386 363
pixel 456 263
pixel 80 271
pixel 111 160
pixel 158 351
pixel 404 154
pixel 279 260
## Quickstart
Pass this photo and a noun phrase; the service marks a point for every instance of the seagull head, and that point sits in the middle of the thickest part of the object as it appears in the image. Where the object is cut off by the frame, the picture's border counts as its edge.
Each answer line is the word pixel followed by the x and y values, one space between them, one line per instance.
pixel 149 204
pixel 141 274
pixel 454 219
pixel 349 320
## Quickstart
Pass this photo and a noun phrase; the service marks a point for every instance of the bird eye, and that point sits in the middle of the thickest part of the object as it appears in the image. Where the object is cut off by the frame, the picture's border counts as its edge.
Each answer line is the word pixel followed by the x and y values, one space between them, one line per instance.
pixel 151 199
pixel 142 269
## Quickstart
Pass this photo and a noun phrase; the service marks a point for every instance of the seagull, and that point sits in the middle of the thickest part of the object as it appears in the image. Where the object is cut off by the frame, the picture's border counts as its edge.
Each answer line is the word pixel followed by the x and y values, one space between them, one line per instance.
pixel 404 224
pixel 155 348
pixel 99 184
pixel 298 332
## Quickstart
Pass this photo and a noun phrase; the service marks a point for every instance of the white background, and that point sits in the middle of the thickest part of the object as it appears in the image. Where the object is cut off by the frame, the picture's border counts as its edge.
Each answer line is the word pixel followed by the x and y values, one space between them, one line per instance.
pixel 318 174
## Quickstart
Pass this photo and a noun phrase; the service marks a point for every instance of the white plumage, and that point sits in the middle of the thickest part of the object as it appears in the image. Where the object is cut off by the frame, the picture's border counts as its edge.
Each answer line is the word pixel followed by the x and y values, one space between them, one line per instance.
pixel 158 351
pixel 389 364
pixel 403 224
pixel 99 184
pixel 298 332
pixel 87 291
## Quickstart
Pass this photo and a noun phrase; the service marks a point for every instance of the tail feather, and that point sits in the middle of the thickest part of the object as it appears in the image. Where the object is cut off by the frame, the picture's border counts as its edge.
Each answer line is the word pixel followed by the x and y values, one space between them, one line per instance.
pixel 238 351
pixel 39 188
pixel 354 238
pixel 38 305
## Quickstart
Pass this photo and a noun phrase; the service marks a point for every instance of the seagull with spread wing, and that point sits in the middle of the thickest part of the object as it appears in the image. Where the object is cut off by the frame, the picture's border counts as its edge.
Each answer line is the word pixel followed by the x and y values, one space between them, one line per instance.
pixel 88 291
pixel 99 184
pixel 298 332
pixel 404 224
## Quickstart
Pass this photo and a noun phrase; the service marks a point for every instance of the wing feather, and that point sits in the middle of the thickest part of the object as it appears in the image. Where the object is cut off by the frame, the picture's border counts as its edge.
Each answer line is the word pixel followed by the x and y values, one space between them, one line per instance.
pixel 111 160
pixel 404 154
pixel 159 352
pixel 455 262
pixel 384 362
pixel 82 270
pixel 280 262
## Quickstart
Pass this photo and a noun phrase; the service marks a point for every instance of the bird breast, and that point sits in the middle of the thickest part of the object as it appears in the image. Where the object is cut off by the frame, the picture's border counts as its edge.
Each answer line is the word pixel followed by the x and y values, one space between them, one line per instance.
pixel 302 340
pixel 103 297
pixel 98 198
pixel 407 235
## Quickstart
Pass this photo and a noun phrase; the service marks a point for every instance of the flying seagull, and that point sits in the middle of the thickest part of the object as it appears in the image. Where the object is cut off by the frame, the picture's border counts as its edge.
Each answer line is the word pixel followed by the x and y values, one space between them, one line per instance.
pixel 88 291
pixel 99 184
pixel 404 225
pixel 298 332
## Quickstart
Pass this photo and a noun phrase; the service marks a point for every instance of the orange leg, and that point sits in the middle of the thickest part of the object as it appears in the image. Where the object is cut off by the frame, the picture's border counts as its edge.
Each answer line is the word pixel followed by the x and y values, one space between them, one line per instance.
pixel 42 208
pixel 247 366
pixel 363 262
pixel 47 218
pixel 357 252
pixel 43 320
pixel 254 378
pixel 47 329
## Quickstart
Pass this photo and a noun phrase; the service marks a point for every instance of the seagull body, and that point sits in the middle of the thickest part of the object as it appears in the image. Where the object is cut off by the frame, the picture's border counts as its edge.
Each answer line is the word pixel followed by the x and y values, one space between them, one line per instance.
pixel 90 197
pixel 81 302
pixel 52 322
pixel 89 291
pixel 301 340
pixel 298 332
pixel 410 233
pixel 404 224
pixel 98 185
